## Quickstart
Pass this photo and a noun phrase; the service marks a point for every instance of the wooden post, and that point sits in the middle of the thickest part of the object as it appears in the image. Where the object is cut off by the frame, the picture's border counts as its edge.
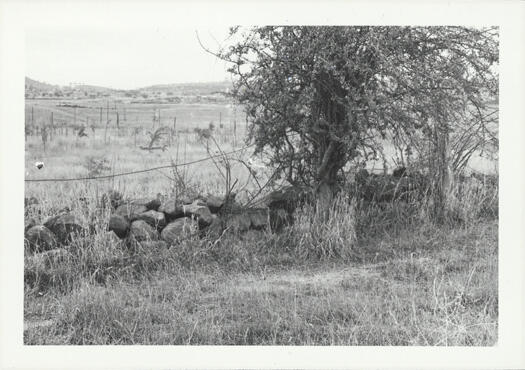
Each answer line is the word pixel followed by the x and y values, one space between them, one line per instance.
pixel 118 124
pixel 52 127
pixel 107 123
pixel 44 137
pixel 174 132
pixel 100 118
pixel 32 116
pixel 75 116
pixel 153 119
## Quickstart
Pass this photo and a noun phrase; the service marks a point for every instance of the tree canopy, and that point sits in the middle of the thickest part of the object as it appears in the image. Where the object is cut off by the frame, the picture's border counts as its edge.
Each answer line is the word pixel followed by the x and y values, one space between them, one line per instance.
pixel 319 97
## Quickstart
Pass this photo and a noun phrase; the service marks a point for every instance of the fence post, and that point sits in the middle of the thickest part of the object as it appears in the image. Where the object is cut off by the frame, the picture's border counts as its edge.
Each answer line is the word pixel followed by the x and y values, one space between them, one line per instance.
pixel 153 119
pixel 107 122
pixel 174 130
pixel 52 127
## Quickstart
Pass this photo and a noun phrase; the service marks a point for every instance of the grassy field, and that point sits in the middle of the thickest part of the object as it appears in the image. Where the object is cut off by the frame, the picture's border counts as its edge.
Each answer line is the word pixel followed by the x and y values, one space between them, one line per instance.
pixel 371 276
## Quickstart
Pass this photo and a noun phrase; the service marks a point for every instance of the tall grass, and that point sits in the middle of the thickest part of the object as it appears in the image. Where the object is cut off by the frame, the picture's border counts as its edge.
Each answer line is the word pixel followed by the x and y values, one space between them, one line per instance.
pixel 368 274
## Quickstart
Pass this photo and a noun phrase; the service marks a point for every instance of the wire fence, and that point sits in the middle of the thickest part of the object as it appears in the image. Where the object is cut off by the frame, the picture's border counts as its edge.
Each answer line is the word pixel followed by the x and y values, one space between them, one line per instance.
pixel 129 173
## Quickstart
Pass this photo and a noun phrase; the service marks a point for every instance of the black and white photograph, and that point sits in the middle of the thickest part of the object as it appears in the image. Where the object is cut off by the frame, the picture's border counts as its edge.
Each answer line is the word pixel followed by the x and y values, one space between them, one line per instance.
pixel 259 184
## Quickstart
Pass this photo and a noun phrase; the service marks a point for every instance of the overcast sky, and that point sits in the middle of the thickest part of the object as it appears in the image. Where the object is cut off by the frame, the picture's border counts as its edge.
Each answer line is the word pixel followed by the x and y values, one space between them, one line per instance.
pixel 125 57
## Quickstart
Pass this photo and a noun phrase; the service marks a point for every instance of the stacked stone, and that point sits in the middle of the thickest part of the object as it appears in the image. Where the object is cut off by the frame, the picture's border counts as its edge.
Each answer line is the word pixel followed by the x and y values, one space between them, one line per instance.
pixel 166 222
pixel 55 232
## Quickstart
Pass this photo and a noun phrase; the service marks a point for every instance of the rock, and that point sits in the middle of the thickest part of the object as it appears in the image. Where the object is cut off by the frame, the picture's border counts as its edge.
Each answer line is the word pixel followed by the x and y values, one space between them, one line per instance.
pixel 199 202
pixel 185 199
pixel 288 198
pixel 29 223
pixel 181 228
pixel 214 203
pixel 141 231
pixel 279 218
pixel 30 201
pixel 400 172
pixel 40 238
pixel 387 188
pixel 258 218
pixel 64 226
pixel 215 229
pixel 172 208
pixel 153 218
pixel 201 213
pixel 119 225
pixel 238 222
pixel 149 203
pixel 230 206
pixel 130 210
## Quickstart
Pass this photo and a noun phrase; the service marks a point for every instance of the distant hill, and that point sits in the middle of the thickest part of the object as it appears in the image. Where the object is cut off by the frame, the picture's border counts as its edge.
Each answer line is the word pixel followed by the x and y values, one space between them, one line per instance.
pixel 35 88
pixel 193 88
pixel 37 85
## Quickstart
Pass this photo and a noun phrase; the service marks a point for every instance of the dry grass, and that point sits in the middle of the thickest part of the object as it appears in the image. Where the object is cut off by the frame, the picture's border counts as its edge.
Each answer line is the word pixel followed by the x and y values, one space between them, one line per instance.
pixel 442 292
pixel 371 275
pixel 427 285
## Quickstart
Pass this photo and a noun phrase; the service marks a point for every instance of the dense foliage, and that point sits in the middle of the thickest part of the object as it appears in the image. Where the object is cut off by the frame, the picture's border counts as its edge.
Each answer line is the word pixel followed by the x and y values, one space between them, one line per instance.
pixel 319 97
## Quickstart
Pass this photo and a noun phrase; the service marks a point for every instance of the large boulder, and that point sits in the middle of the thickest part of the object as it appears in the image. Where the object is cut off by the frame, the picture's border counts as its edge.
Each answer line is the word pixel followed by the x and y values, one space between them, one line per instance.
pixel 149 203
pixel 179 229
pixel 141 231
pixel 130 210
pixel 39 238
pixel 387 188
pixel 230 206
pixel 288 198
pixel 119 225
pixel 64 226
pixel 30 201
pixel 29 223
pixel 172 208
pixel 400 172
pixel 200 212
pixel 153 218
pixel 215 229
pixel 214 203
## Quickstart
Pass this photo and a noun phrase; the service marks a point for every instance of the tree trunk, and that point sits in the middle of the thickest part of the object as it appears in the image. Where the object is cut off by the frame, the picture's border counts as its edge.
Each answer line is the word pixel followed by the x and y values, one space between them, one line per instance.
pixel 325 195
pixel 442 178
pixel 326 186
